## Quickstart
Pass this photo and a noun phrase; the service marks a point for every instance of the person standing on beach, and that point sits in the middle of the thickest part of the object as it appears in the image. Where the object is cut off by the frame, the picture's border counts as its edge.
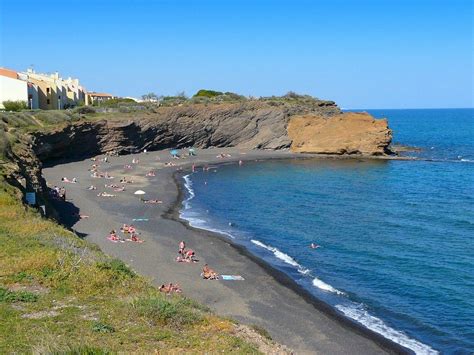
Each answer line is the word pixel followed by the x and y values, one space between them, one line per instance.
pixel 182 246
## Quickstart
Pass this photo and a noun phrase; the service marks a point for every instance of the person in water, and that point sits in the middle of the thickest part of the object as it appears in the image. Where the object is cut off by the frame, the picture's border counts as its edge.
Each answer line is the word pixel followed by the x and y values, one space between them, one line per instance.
pixel 314 246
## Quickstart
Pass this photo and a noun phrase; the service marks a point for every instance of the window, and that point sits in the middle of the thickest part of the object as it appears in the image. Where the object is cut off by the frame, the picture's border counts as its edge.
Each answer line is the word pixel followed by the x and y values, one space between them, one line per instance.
pixel 47 101
pixel 48 90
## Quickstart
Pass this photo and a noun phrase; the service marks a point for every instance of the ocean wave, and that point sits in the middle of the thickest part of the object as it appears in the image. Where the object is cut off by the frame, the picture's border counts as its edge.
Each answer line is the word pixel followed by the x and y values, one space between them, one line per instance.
pixel 359 314
pixel 325 287
pixel 282 256
pixel 188 184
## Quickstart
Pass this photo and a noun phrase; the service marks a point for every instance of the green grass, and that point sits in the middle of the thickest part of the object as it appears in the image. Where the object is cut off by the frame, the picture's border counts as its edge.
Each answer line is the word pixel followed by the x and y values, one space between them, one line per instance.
pixel 76 300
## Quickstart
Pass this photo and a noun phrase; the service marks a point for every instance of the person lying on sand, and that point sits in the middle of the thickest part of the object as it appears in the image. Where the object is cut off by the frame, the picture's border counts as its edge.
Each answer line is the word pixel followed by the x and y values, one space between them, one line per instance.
pixel 150 173
pixel 107 176
pixel 80 216
pixel 97 175
pixel 190 255
pixel 119 189
pixel 105 194
pixel 170 288
pixel 124 180
pixel 152 202
pixel 92 187
pixel 208 273
pixel 113 237
pixel 128 167
pixel 134 238
pixel 170 164
pixel 65 179
pixel 111 186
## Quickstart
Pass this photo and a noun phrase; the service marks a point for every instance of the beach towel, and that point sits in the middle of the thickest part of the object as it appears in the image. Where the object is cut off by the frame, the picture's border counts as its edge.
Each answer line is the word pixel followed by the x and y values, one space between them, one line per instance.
pixel 140 219
pixel 232 278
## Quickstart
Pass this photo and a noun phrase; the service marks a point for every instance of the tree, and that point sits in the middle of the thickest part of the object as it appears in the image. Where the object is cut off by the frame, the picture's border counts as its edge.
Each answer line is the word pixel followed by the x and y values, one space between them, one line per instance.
pixel 150 97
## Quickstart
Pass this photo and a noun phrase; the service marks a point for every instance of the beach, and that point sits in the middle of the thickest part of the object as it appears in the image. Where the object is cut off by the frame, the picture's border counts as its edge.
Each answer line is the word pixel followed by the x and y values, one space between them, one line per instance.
pixel 267 297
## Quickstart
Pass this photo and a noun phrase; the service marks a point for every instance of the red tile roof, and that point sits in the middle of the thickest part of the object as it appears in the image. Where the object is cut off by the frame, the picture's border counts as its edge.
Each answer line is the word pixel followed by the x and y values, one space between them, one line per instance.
pixel 8 73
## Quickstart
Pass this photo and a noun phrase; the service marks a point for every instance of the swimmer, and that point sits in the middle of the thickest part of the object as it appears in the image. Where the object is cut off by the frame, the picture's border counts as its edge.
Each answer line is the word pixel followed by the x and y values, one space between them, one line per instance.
pixel 314 246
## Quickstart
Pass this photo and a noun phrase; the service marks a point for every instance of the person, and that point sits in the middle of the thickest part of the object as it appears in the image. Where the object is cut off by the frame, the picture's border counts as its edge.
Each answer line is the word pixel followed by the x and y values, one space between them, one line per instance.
pixel 240 162
pixel 314 246
pixel 208 273
pixel 189 255
pixel 182 246
pixel 113 236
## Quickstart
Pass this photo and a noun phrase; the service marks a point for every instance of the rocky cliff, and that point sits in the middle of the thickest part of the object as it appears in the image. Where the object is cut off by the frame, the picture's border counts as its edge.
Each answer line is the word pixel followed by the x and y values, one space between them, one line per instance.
pixel 251 125
pixel 347 133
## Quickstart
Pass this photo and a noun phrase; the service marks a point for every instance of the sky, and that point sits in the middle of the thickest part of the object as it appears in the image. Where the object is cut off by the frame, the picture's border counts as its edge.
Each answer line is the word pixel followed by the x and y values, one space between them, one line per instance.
pixel 361 54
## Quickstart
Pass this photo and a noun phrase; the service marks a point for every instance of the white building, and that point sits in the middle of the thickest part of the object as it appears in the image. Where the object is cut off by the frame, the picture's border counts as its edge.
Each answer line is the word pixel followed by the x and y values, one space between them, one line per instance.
pixel 11 87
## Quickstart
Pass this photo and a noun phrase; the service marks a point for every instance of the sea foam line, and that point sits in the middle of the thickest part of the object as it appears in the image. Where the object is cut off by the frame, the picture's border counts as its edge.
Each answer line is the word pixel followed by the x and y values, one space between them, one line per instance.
pixel 359 314
pixel 282 256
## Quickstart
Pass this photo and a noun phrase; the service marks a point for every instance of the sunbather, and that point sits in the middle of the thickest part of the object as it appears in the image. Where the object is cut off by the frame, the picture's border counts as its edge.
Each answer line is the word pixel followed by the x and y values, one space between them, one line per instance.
pixel 208 273
pixel 105 194
pixel 152 202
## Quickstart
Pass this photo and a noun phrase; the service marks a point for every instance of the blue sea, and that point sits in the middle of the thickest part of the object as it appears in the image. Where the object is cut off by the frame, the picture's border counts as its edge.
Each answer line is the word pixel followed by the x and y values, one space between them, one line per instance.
pixel 396 237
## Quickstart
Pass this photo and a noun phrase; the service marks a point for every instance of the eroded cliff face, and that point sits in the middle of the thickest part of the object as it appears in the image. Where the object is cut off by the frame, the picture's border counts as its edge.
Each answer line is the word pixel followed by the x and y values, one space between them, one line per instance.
pixel 246 125
pixel 347 133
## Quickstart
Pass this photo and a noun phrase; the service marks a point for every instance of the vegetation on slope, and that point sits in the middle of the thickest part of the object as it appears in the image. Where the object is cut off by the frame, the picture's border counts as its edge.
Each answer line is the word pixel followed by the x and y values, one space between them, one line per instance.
pixel 59 293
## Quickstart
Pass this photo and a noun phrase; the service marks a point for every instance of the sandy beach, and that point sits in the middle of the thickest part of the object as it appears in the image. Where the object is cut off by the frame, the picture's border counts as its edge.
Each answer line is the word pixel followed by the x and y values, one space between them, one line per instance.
pixel 266 297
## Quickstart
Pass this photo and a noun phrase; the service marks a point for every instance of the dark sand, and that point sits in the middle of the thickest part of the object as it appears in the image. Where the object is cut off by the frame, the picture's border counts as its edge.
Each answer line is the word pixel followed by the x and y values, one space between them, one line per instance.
pixel 267 297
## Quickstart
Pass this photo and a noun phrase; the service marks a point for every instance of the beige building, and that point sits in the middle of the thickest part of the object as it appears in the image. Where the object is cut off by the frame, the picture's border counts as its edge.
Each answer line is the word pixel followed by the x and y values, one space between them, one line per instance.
pixel 55 93
pixel 96 98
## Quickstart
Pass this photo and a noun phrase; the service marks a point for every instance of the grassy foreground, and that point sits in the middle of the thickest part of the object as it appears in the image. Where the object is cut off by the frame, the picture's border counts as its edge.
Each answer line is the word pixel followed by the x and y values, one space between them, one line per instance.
pixel 60 294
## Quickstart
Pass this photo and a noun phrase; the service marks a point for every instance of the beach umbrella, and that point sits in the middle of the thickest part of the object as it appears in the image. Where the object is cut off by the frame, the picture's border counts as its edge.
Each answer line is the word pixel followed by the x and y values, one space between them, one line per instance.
pixel 174 152
pixel 139 192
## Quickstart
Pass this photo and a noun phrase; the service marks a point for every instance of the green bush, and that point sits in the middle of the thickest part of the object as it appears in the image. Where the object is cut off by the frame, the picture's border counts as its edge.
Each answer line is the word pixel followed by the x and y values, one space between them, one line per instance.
pixel 102 328
pixel 114 102
pixel 15 106
pixel 177 311
pixel 208 93
pixel 118 267
pixel 83 110
pixel 19 296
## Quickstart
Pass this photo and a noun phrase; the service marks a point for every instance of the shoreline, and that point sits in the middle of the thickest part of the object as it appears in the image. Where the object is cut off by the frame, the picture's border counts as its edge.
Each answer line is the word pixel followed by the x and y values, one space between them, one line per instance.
pixel 336 334
pixel 281 277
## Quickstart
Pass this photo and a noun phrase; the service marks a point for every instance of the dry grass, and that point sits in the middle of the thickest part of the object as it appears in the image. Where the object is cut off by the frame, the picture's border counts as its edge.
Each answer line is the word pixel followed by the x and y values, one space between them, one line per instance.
pixel 60 295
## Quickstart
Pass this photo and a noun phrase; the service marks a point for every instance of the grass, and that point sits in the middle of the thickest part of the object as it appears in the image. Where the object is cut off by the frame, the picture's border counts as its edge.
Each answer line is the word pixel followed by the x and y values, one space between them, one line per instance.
pixel 76 300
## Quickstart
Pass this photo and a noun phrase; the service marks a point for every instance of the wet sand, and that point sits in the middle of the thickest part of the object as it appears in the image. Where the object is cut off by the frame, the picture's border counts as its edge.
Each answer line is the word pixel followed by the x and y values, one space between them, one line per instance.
pixel 267 297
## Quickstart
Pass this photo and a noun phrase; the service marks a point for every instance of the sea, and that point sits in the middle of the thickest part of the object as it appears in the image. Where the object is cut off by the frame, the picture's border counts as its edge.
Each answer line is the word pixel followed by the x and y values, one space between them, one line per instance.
pixel 396 237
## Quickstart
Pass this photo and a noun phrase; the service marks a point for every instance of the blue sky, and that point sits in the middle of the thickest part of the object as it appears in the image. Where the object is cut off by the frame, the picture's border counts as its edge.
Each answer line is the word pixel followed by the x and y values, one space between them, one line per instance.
pixel 362 54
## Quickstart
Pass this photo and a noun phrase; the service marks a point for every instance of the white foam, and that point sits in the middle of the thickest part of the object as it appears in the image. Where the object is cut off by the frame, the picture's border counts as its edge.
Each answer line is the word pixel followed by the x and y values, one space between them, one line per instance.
pixel 325 287
pixel 282 256
pixel 359 314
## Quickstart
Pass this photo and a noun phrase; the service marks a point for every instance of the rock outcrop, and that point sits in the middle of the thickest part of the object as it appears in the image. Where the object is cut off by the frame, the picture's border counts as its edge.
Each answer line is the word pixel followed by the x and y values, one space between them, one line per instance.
pixel 347 133
pixel 251 125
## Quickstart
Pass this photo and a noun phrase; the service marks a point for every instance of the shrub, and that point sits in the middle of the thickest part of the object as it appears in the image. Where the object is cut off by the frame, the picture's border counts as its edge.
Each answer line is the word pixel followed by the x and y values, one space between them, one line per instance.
pixel 84 110
pixel 208 93
pixel 19 296
pixel 114 102
pixel 102 328
pixel 167 310
pixel 15 106
pixel 118 267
